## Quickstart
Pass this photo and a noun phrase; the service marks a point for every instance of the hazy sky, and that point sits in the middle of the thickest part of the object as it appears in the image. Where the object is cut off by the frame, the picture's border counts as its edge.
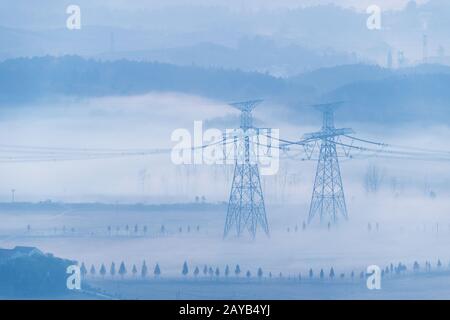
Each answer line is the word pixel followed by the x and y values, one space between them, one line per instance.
pixel 24 14
pixel 248 5
pixel 262 4
pixel 255 4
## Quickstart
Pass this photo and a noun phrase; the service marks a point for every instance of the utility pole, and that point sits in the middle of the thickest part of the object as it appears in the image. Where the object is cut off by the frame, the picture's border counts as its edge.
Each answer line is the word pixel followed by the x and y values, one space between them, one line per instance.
pixel 328 201
pixel 424 48
pixel 246 209
pixel 425 17
pixel 13 191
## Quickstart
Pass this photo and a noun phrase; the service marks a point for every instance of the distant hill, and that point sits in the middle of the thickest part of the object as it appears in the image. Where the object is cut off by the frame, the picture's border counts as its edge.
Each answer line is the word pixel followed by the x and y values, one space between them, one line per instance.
pixel 252 54
pixel 402 97
pixel 328 79
pixel 381 95
pixel 372 93
pixel 26 80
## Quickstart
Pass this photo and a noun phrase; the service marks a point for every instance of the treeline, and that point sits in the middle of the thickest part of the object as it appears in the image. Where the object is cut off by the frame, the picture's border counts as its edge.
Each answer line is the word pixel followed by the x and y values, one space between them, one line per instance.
pixel 97 206
pixel 210 272
pixel 24 80
pixel 115 231
pixel 371 94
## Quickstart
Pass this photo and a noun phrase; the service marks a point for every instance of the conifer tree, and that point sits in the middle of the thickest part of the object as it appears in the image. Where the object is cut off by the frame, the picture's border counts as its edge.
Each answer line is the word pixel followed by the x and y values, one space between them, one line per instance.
pixel 122 270
pixel 83 269
pixel 102 270
pixel 227 270
pixel 185 270
pixel 331 273
pixel 260 272
pixel 112 269
pixel 92 271
pixel 144 270
pixel 157 271
pixel 237 270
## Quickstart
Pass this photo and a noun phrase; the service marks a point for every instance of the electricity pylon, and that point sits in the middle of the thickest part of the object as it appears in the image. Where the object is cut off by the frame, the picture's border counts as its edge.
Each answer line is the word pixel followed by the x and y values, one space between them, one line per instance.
pixel 246 209
pixel 328 200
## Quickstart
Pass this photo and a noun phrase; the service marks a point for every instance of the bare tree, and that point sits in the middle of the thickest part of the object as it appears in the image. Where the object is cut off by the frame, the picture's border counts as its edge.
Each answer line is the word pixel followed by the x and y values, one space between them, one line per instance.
pixel 373 178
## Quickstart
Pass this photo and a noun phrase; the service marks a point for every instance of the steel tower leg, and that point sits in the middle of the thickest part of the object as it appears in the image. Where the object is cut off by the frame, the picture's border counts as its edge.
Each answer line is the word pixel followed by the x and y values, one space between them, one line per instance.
pixel 328 200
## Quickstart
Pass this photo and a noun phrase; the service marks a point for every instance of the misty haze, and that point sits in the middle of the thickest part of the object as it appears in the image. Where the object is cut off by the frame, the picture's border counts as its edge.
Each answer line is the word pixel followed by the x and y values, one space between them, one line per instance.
pixel 91 95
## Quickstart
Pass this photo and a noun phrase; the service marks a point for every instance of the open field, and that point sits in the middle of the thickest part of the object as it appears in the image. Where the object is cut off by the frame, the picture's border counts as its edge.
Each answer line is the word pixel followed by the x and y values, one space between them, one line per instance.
pixel 83 235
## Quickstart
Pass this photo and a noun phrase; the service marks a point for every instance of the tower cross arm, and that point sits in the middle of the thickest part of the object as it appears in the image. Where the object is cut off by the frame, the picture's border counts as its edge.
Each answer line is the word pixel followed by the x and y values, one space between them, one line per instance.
pixel 327 134
pixel 246 106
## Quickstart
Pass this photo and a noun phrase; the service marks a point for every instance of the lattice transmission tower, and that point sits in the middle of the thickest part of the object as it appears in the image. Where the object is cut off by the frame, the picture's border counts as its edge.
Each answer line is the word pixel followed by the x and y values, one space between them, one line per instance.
pixel 246 209
pixel 328 200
